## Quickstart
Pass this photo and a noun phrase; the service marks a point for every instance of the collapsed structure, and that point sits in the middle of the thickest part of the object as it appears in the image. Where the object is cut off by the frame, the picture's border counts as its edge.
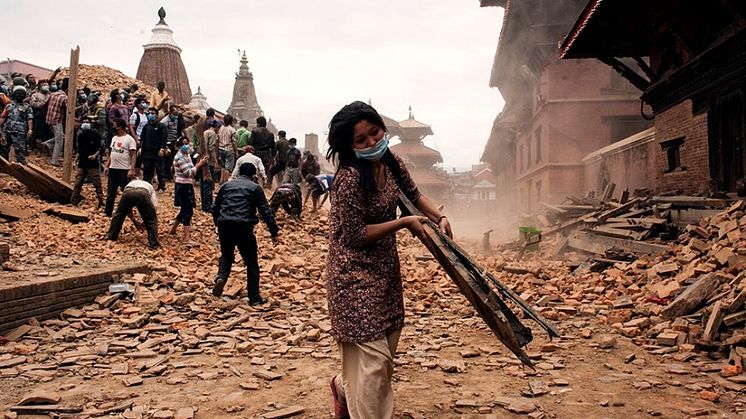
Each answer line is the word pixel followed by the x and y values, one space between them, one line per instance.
pixel 691 67
pixel 556 112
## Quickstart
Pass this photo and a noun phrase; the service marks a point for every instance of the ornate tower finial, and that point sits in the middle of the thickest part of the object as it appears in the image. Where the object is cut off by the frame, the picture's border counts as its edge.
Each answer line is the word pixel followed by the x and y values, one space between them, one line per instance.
pixel 411 115
pixel 370 102
pixel 162 15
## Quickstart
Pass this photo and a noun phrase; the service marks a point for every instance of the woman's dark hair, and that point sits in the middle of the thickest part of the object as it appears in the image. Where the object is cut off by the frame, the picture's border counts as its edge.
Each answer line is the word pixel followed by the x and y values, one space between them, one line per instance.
pixel 210 112
pixel 228 119
pixel 341 131
pixel 114 96
pixel 261 122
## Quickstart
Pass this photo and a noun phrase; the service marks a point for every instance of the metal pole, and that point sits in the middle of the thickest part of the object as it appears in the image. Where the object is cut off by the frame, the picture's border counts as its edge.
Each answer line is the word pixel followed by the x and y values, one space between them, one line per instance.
pixel 72 97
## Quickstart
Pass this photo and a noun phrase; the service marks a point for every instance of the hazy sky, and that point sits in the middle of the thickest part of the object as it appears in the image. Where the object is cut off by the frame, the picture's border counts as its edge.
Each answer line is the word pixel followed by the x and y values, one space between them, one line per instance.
pixel 308 57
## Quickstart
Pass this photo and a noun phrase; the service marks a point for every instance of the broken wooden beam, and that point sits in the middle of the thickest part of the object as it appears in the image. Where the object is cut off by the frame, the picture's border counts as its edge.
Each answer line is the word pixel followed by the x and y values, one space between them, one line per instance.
pixel 69 214
pixel 690 201
pixel 39 181
pixel 694 295
pixel 598 244
pixel 498 317
pixel 13 214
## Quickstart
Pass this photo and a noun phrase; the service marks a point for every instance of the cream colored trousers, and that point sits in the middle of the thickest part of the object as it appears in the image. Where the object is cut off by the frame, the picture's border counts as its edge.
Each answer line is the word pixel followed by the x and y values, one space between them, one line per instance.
pixel 365 382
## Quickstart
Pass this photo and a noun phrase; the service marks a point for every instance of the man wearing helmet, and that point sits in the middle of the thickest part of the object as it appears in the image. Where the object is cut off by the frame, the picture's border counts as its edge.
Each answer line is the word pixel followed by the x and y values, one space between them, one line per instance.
pixel 16 121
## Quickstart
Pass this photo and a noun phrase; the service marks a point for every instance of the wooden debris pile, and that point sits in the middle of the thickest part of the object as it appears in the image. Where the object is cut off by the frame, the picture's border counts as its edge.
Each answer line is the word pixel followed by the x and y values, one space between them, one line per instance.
pixel 689 298
pixel 638 225
pixel 39 181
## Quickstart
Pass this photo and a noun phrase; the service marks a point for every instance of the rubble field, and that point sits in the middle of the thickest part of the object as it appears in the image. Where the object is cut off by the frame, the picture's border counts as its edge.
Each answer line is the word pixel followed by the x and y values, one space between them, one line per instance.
pixel 641 338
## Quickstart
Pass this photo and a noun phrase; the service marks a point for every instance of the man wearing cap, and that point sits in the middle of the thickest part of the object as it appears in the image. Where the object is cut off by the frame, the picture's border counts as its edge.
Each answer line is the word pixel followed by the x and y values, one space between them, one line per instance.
pixel 250 157
pixel 16 121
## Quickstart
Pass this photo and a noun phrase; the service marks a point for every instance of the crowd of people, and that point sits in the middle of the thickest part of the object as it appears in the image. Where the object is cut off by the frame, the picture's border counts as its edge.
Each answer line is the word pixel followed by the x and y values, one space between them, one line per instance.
pixel 141 143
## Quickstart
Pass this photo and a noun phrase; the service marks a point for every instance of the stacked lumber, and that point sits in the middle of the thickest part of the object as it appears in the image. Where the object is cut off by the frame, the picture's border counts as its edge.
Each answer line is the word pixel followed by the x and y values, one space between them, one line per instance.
pixel 38 181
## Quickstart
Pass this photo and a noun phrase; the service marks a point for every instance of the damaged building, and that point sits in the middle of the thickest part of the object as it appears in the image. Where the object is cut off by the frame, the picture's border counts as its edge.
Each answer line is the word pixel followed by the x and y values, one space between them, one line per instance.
pixel 556 112
pixel 689 61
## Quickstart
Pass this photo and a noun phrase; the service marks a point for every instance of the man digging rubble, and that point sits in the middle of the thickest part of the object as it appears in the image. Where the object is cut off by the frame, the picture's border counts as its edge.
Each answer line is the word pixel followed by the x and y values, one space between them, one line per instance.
pixel 234 214
pixel 141 195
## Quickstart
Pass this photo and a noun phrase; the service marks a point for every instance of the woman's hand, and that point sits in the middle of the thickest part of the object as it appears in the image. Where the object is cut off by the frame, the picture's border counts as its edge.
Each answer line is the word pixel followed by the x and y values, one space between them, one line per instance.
pixel 445 227
pixel 414 223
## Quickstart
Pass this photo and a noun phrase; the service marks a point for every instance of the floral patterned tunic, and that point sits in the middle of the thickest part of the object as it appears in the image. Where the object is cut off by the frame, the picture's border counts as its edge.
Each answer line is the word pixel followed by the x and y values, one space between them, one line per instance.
pixel 364 280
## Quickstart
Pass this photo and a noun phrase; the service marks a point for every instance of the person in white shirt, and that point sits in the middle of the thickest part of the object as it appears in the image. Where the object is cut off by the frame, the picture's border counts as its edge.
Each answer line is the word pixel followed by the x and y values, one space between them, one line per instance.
pixel 121 165
pixel 250 157
pixel 141 195
pixel 227 150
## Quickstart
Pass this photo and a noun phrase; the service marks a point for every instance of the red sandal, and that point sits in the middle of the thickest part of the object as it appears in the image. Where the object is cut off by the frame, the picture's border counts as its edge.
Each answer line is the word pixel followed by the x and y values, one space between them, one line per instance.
pixel 340 408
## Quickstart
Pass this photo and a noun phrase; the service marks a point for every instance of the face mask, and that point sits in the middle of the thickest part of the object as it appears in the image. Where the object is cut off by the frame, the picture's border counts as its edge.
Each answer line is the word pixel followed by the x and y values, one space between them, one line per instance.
pixel 375 152
pixel 145 107
pixel 53 87
pixel 121 97
pixel 151 117
pixel 4 89
pixel 85 126
pixel 185 149
pixel 292 146
pixel 83 97
pixel 173 117
pixel 45 89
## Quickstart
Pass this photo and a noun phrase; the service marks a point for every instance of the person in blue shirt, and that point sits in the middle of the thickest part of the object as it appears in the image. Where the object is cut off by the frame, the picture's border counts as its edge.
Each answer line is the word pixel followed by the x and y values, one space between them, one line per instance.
pixel 319 186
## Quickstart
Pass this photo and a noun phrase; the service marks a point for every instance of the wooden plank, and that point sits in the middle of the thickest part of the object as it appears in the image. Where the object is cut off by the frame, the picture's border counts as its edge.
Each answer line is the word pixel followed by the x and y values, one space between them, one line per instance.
pixel 38 181
pixel 69 214
pixel 72 89
pixel 737 302
pixel 690 201
pixel 646 221
pixel 617 232
pixel 598 244
pixel 498 317
pixel 608 192
pixel 684 216
pixel 620 209
pixel 694 295
pixel 62 188
pixel 735 318
pixel 714 322
pixel 13 214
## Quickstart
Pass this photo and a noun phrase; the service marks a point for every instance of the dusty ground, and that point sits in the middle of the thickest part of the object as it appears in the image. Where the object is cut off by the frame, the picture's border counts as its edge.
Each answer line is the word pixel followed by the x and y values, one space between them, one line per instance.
pixel 574 377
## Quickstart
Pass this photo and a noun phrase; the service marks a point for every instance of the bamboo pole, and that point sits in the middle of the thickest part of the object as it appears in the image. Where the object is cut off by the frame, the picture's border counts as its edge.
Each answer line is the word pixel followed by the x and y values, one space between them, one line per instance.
pixel 72 100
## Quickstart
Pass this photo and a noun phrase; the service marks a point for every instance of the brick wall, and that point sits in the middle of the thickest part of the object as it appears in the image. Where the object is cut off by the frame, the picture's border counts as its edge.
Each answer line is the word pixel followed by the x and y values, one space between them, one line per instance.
pixel 673 123
pixel 44 300
pixel 627 164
